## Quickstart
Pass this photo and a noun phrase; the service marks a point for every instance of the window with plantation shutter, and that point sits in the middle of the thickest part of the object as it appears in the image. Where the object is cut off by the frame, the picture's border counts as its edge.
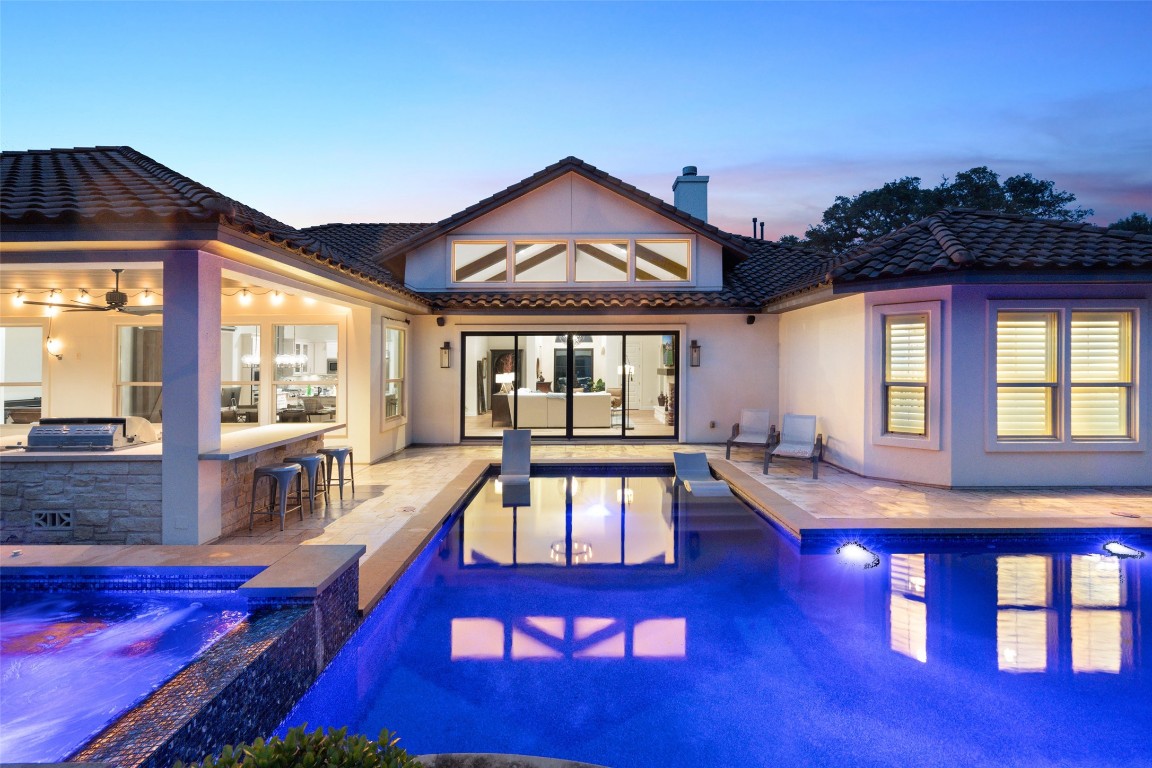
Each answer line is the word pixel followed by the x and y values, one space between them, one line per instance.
pixel 906 373
pixel 1101 374
pixel 1025 374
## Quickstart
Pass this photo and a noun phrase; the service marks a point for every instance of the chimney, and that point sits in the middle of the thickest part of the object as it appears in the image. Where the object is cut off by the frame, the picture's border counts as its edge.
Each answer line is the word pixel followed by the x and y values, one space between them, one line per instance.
pixel 691 193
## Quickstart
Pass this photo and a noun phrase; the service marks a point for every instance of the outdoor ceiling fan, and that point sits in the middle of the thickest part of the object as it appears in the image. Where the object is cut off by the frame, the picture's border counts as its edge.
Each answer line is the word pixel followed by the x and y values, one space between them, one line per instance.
pixel 113 300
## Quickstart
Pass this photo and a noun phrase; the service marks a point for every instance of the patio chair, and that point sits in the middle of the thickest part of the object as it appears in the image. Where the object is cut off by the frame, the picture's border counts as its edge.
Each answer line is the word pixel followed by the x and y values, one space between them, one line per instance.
pixel 693 472
pixel 516 457
pixel 755 430
pixel 798 440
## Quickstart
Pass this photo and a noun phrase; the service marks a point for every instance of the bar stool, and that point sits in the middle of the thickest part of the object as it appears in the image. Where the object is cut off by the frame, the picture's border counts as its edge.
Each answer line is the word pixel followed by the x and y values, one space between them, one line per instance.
pixel 279 478
pixel 313 464
pixel 340 453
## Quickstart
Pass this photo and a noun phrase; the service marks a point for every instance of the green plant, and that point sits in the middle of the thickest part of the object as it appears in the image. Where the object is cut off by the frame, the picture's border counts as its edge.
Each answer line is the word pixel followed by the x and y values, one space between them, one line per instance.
pixel 598 386
pixel 328 749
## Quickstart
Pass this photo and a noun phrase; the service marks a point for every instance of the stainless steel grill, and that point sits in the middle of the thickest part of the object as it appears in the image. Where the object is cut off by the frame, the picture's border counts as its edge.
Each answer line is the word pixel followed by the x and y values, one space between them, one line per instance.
pixel 89 433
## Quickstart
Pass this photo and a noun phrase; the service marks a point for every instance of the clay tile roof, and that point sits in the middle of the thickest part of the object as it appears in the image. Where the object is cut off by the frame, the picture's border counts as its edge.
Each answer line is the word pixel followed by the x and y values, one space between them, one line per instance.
pixel 98 187
pixel 961 241
pixel 362 243
pixel 733 245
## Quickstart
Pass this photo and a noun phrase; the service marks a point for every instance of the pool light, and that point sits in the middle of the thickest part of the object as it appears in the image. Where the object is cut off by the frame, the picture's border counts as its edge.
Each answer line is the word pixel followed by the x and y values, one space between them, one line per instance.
pixel 856 554
pixel 1121 550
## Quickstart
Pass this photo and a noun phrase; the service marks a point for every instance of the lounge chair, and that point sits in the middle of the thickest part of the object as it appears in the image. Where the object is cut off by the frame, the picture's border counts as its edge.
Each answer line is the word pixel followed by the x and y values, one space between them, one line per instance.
pixel 516 457
pixel 755 430
pixel 798 440
pixel 693 471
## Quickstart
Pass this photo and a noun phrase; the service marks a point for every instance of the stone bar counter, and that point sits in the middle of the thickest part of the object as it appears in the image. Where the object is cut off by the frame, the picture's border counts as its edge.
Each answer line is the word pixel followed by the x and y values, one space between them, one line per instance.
pixel 116 497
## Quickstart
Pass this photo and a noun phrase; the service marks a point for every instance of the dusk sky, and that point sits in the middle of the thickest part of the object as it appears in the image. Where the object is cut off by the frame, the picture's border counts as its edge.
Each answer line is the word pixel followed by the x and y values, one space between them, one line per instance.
pixel 398 112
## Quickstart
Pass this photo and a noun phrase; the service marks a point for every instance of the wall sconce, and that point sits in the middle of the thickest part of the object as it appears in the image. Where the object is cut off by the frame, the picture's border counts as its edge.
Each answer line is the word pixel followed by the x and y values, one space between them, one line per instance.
pixel 446 355
pixel 694 354
pixel 54 346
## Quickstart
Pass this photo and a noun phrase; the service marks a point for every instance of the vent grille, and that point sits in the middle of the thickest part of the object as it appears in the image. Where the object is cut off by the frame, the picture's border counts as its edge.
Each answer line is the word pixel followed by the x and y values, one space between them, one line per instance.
pixel 55 520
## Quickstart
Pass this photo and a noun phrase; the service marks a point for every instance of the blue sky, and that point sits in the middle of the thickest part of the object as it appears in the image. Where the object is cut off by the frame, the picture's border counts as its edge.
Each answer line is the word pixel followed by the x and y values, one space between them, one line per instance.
pixel 372 111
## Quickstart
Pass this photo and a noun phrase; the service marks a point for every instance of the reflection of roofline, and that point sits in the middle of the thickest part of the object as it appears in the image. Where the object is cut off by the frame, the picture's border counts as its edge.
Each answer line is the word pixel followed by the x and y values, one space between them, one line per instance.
pixel 733 244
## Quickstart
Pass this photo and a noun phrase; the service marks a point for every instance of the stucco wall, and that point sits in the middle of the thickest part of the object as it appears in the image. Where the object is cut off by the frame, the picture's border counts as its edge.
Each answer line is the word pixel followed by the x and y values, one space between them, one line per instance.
pixel 737 369
pixel 822 373
pixel 974 392
pixel 926 459
pixel 569 207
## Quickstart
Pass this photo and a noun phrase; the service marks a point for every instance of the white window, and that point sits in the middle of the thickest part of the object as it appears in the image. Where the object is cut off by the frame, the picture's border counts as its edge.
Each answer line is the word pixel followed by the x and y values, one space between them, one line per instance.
pixel 904 368
pixel 21 372
pixel 1064 373
pixel 303 388
pixel 393 373
pixel 906 374
pixel 140 372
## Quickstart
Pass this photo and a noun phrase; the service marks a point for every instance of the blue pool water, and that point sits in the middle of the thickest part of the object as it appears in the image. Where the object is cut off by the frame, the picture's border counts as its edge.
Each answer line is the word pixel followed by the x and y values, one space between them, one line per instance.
pixel 612 622
pixel 71 662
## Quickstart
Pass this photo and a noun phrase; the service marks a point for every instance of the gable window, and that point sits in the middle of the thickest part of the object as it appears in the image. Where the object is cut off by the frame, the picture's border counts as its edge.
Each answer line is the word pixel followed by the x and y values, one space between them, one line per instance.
pixel 1064 367
pixel 480 262
pixel 622 260
pixel 662 260
pixel 541 262
pixel 906 374
pixel 601 262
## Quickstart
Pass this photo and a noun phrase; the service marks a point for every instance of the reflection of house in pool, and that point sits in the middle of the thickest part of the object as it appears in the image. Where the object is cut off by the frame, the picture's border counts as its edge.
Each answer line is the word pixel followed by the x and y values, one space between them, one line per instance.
pixel 969 349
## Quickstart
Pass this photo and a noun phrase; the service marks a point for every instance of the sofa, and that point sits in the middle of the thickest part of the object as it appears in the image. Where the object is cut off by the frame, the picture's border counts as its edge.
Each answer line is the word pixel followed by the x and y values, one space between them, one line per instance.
pixel 547 410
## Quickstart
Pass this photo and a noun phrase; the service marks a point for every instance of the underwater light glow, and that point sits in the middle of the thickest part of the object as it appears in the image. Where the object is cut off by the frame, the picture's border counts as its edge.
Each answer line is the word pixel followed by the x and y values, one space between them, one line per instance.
pixel 1121 550
pixel 856 554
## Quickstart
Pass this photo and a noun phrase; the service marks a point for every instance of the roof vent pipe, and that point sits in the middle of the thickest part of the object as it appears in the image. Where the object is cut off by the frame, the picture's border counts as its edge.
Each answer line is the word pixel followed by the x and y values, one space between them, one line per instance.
pixel 753 227
pixel 690 193
pixel 761 230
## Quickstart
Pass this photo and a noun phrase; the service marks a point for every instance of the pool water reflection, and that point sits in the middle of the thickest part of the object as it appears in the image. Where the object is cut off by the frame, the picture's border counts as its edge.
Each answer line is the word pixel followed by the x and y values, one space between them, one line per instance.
pixel 618 622
pixel 71 662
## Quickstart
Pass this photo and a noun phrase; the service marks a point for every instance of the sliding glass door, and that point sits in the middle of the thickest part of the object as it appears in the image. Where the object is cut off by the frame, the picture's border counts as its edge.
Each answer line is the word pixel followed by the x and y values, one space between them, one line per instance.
pixel 573 384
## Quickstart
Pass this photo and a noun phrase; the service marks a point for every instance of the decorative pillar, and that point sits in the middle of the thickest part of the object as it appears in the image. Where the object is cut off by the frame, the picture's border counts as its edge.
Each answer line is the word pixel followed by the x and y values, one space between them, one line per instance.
pixel 191 420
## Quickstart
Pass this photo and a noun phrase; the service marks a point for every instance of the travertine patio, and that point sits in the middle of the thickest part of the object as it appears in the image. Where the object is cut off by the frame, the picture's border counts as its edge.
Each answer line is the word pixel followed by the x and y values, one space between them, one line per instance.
pixel 395 507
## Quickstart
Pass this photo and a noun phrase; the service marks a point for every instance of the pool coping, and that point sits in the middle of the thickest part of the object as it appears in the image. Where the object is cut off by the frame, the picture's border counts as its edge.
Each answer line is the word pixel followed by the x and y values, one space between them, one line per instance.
pixel 267 571
pixel 380 571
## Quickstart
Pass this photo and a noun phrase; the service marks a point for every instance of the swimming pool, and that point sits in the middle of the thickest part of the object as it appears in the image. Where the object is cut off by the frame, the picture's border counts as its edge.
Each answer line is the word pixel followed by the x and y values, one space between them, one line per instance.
pixel 71 662
pixel 613 621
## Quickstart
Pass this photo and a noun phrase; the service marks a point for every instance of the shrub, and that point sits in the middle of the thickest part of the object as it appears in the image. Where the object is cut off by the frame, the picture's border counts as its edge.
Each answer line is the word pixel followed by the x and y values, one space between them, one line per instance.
pixel 330 749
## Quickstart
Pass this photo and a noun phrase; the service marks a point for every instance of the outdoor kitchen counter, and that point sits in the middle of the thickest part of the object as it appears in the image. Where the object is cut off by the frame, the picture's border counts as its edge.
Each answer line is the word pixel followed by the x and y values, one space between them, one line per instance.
pixel 245 442
pixel 17 454
pixel 233 445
